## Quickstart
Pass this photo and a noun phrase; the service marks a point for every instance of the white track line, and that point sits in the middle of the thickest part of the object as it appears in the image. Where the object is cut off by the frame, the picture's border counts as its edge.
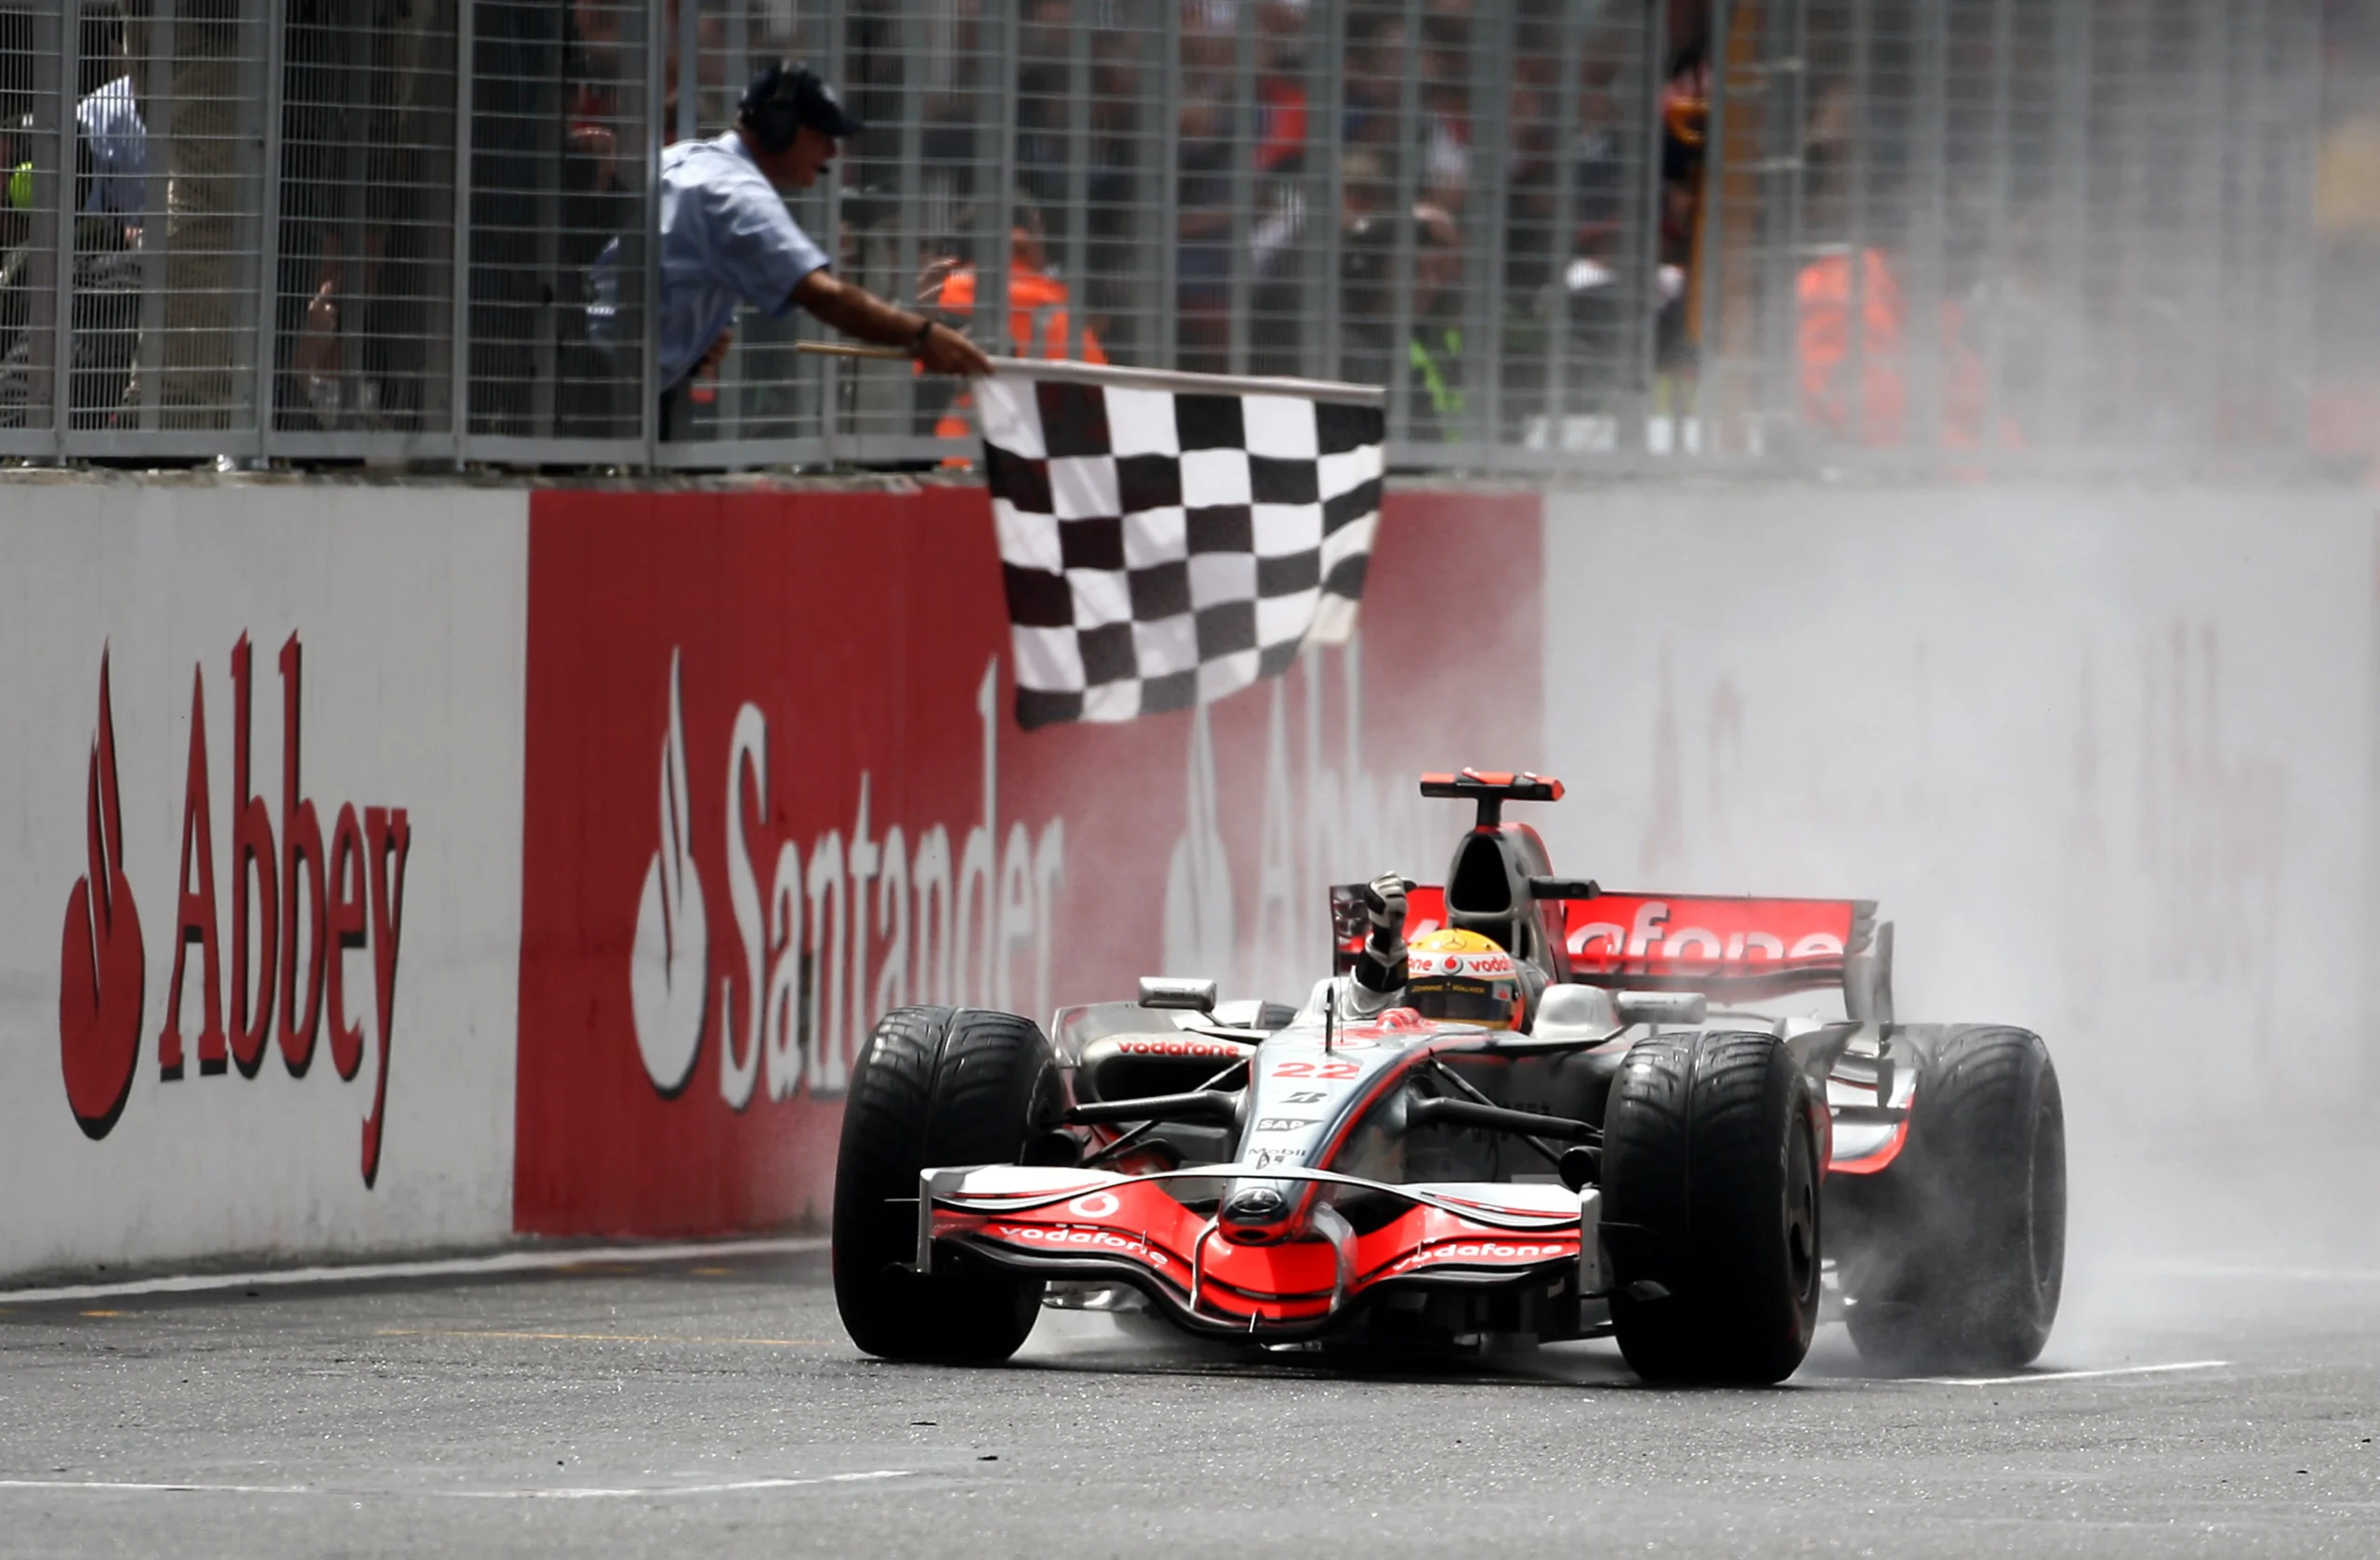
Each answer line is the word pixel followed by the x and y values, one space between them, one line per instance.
pixel 595 1493
pixel 438 1267
pixel 2032 1376
pixel 2274 1275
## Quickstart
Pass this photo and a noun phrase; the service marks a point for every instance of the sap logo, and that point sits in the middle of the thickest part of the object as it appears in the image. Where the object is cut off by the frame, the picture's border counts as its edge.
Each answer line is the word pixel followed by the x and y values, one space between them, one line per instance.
pixel 312 903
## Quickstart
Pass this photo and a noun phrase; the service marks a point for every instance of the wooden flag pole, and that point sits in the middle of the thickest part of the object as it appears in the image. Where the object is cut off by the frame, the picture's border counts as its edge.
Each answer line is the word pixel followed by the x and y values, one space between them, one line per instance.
pixel 1074 370
pixel 851 350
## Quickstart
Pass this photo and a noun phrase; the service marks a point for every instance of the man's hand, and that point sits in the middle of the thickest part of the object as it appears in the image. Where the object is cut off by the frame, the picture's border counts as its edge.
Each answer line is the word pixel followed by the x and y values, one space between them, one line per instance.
pixel 1384 902
pixel 1380 968
pixel 857 311
pixel 947 351
pixel 933 276
pixel 717 352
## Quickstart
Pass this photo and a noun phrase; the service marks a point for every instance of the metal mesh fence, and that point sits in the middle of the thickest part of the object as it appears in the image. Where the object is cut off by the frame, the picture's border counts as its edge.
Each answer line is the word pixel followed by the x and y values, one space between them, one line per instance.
pixel 2008 231
pixel 1564 233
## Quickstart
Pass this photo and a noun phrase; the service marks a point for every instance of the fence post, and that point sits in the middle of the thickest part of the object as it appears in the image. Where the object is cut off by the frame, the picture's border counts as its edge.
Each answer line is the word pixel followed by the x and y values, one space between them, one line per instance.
pixel 63 213
pixel 1077 259
pixel 1783 170
pixel 1410 147
pixel 1563 238
pixel 1997 266
pixel 458 367
pixel 649 384
pixel 1243 189
pixel 1321 328
pixel 995 207
pixel 1855 221
pixel 2070 148
pixel 910 187
pixel 1924 278
pixel 1711 245
pixel 2301 55
pixel 268 290
pixel 1168 153
pixel 162 110
pixel 1491 76
pixel 831 379
pixel 1635 409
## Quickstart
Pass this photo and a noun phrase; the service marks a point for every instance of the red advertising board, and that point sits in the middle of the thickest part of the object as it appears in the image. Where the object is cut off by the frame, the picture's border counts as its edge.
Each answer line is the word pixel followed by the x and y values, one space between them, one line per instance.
pixel 774 787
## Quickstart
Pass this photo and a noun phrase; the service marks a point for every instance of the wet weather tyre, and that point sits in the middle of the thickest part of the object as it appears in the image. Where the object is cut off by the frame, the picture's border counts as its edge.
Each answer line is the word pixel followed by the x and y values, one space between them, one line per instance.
pixel 1967 1255
pixel 1713 1149
pixel 934 1086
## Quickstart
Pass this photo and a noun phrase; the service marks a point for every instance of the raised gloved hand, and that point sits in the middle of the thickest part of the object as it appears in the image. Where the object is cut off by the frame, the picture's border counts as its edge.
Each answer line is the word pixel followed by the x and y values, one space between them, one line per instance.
pixel 1384 902
pixel 1381 966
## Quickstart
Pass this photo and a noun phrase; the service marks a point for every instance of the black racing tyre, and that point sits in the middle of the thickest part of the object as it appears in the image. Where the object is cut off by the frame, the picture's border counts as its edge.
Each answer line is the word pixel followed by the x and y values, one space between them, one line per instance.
pixel 934 1086
pixel 1965 1250
pixel 1711 1164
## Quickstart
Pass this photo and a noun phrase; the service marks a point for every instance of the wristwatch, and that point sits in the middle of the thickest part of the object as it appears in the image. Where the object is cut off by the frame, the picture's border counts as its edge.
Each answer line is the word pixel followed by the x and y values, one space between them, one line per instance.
pixel 917 344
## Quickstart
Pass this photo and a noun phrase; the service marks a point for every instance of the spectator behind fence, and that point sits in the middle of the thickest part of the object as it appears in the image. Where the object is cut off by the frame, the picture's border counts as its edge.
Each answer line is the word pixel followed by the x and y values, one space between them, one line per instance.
pixel 1856 341
pixel 118 146
pixel 110 162
pixel 1433 354
pixel 205 280
pixel 1039 320
pixel 725 234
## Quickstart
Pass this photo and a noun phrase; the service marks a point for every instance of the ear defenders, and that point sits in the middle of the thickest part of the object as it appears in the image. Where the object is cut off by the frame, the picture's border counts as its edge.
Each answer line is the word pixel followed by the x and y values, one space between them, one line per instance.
pixel 771 107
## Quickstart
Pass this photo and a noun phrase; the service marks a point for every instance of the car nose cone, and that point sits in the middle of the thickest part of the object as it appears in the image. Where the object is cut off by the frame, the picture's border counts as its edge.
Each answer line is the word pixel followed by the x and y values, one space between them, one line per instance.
pixel 1254 1215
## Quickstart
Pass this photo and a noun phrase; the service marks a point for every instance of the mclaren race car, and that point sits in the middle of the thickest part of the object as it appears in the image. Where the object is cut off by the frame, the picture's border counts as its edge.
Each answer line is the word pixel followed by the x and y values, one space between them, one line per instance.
pixel 1649 1155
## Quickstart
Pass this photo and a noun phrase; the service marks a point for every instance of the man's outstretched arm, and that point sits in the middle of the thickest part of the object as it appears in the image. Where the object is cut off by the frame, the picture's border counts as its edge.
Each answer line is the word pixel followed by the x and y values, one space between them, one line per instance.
pixel 856 312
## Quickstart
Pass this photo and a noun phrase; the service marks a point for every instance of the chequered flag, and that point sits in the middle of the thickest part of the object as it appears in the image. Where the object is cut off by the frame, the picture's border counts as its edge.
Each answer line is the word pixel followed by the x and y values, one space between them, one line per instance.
pixel 1164 548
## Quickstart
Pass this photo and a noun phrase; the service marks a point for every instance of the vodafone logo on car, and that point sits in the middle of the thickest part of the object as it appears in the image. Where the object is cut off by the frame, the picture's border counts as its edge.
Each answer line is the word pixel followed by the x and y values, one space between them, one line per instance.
pixel 1489 1251
pixel 305 902
pixel 1616 930
pixel 1074 1238
pixel 1215 1050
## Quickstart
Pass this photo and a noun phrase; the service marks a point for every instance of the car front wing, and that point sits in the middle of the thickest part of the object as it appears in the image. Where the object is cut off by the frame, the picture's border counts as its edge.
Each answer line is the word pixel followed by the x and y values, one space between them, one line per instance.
pixel 1141 1230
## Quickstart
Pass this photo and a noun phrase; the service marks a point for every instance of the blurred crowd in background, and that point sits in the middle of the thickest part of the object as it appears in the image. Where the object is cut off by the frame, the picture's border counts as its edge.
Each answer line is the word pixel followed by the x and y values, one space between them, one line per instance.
pixel 2346 225
pixel 1558 230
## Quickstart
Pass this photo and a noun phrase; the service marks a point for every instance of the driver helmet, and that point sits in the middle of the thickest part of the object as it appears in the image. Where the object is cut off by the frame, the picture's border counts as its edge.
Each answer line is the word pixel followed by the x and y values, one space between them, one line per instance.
pixel 1461 977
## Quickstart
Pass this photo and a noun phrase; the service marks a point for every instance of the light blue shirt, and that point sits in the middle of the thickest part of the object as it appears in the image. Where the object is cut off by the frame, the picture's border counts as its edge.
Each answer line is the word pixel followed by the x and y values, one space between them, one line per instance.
pixel 725 234
pixel 110 120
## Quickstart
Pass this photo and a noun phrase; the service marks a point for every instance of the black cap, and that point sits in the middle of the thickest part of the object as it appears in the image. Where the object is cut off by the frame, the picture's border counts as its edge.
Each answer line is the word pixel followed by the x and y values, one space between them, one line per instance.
pixel 786 96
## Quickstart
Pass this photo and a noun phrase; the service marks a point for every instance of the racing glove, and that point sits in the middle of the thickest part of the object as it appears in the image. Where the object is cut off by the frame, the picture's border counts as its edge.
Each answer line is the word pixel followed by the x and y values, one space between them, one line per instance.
pixel 1380 967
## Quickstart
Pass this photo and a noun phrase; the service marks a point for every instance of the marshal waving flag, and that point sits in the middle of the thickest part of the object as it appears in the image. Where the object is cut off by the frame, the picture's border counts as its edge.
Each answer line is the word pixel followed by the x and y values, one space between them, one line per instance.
pixel 1170 538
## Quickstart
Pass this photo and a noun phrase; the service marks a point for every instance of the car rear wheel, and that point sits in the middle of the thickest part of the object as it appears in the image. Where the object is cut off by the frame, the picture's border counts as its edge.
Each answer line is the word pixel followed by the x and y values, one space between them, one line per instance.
pixel 934 1086
pixel 1713 1145
pixel 1965 1255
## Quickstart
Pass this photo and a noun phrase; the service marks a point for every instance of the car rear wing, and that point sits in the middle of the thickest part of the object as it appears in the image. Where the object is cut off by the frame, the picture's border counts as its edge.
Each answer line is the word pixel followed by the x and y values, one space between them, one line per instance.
pixel 1729 948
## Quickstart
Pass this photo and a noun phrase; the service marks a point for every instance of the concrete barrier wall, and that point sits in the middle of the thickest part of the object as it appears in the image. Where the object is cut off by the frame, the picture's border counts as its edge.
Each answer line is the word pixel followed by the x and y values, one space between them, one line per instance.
pixel 2105 756
pixel 260 768
pixel 631 809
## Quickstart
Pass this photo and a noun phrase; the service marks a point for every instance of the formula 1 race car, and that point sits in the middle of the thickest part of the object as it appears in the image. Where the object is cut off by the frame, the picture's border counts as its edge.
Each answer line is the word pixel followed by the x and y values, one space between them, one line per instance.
pixel 1649 1156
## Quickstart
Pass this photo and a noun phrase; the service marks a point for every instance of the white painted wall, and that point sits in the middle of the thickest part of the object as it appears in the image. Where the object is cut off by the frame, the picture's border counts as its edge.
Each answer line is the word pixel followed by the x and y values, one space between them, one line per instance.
pixel 2104 756
pixel 409 603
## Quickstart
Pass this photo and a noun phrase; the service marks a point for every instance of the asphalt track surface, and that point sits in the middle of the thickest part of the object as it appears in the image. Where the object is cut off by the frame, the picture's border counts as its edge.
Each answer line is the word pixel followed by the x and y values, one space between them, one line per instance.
pixel 708 1403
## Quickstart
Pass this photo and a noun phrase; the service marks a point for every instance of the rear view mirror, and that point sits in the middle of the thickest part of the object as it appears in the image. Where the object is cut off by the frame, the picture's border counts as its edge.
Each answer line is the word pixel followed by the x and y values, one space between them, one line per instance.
pixel 1177 991
pixel 1661 1007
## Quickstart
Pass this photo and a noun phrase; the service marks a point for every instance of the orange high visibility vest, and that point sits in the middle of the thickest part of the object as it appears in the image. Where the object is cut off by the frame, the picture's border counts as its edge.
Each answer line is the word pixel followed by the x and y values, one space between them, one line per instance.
pixel 1827 334
pixel 1034 297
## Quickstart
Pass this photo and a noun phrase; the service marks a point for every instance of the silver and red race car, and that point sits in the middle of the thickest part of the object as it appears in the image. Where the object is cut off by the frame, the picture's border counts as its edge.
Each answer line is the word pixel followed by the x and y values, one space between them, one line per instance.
pixel 1652 1156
